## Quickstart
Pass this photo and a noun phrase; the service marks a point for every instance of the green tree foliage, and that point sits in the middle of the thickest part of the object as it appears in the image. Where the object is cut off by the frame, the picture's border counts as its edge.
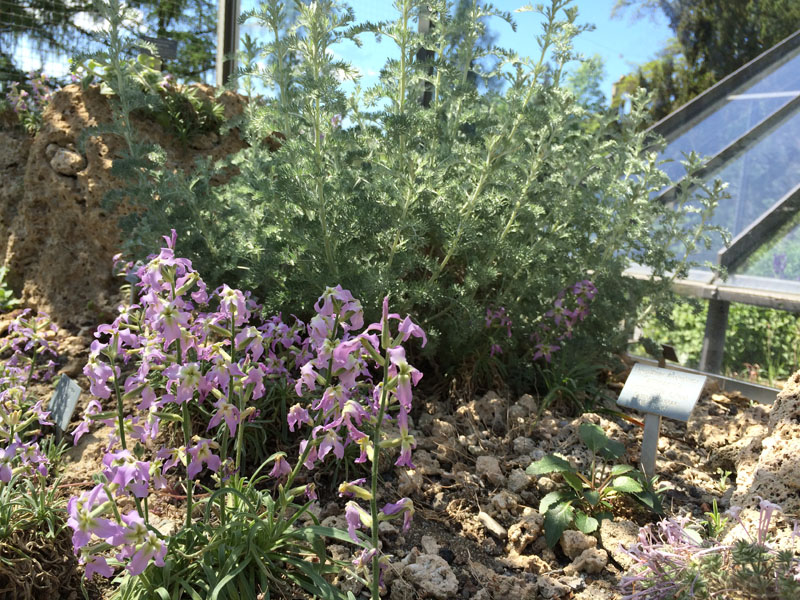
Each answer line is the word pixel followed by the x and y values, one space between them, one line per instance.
pixel 712 39
pixel 63 27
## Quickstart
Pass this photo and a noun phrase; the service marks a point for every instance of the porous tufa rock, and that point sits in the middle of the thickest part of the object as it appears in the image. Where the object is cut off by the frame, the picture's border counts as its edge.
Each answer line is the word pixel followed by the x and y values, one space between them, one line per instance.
pixel 591 561
pixel 574 542
pixel 769 467
pixel 525 531
pixel 432 577
pixel 616 535
pixel 67 162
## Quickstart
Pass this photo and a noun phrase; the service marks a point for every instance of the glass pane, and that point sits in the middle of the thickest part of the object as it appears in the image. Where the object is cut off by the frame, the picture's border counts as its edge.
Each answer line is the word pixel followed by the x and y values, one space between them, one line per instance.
pixel 779 257
pixel 756 179
pixel 739 112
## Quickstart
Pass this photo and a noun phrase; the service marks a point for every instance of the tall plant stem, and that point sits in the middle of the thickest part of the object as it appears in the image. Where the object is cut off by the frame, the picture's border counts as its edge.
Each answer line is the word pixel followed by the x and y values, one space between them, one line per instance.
pixel 373 503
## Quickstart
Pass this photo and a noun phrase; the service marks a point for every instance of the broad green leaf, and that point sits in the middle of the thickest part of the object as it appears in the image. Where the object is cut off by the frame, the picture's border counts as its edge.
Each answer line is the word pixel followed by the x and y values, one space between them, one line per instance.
pixel 551 499
pixel 592 497
pixel 549 464
pixel 574 481
pixel 556 520
pixel 651 500
pixel 593 436
pixel 618 470
pixel 626 484
pixel 585 523
pixel 613 450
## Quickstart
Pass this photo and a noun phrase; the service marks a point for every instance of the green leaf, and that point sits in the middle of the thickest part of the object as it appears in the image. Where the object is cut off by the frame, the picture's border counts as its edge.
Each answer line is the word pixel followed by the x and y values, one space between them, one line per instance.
pixel 549 464
pixel 575 482
pixel 592 497
pixel 593 436
pixel 556 521
pixel 551 499
pixel 613 450
pixel 626 484
pixel 585 523
pixel 618 470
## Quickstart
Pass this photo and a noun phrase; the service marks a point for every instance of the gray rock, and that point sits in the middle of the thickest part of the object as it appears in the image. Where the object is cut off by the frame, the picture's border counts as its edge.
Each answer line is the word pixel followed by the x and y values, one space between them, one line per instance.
pixel 492 526
pixel 524 445
pixel 488 468
pixel 519 481
pixel 574 542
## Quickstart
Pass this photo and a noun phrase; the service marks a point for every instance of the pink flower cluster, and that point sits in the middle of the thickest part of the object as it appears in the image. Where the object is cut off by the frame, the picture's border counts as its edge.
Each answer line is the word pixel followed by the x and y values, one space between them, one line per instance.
pixel 570 308
pixel 32 350
pixel 23 102
pixel 498 319
pixel 172 354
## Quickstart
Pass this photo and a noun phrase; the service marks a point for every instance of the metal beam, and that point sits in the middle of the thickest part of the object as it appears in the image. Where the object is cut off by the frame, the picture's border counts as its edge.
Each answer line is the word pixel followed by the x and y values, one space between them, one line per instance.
pixel 714 338
pixel 736 147
pixel 692 111
pixel 227 40
pixel 749 240
pixel 719 291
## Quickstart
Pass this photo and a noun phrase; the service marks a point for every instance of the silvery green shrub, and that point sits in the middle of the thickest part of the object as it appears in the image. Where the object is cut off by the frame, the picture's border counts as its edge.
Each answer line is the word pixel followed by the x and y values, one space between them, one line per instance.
pixel 450 195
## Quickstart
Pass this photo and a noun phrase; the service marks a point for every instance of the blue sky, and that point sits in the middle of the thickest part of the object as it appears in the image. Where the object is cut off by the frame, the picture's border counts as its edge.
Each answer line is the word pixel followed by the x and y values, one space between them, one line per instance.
pixel 621 42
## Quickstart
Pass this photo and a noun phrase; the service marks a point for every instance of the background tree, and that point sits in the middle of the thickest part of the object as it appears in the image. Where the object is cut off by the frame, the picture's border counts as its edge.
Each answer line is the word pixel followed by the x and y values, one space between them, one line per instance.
pixel 712 39
pixel 60 28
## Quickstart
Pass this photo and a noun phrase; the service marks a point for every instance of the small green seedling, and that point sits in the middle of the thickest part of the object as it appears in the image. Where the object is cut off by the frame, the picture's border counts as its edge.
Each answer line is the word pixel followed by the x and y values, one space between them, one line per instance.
pixel 585 499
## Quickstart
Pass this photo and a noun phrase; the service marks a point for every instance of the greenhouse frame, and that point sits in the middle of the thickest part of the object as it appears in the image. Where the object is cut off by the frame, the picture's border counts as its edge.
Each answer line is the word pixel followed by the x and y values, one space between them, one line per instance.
pixel 747 127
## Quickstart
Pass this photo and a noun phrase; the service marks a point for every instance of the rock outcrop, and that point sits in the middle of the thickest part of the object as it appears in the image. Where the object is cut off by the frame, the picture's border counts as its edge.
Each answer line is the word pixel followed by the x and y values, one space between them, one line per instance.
pixel 55 236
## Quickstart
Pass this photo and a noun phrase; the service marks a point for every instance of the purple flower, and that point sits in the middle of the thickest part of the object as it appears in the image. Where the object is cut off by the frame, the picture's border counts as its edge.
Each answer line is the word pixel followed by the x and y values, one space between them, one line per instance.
pixel 227 411
pixel 97 565
pixel 6 456
pixel 356 517
pixel 151 549
pixel 297 416
pixel 281 467
pixel 85 521
pixel 201 454
pixel 404 506
pixel 405 375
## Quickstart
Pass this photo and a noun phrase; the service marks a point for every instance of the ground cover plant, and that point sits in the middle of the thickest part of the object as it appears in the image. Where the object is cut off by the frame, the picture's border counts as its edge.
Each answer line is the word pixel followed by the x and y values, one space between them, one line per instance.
pixel 585 499
pixel 471 200
pixel 32 516
pixel 202 361
pixel 675 561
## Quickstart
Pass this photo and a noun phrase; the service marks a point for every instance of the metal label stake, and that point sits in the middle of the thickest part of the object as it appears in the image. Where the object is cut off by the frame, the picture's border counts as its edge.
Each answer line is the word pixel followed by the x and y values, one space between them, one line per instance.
pixel 659 393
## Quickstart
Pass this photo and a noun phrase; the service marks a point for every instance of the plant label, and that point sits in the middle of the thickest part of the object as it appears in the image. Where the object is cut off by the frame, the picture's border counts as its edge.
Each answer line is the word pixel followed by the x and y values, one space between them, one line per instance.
pixel 63 402
pixel 659 393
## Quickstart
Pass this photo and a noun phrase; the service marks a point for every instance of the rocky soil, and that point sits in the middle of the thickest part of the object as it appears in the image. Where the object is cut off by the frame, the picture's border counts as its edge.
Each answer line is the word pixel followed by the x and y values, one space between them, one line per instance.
pixel 477 532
